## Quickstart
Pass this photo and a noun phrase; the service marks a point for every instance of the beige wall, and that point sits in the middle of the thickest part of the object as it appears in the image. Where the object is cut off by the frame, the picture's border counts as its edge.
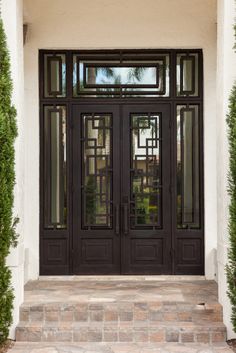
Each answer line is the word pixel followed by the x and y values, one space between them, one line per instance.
pixel 226 76
pixel 117 24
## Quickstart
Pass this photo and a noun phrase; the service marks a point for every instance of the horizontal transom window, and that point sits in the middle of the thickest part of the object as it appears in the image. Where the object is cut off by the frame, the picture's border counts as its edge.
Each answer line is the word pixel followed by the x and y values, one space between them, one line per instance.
pixel 122 73
pixel 116 76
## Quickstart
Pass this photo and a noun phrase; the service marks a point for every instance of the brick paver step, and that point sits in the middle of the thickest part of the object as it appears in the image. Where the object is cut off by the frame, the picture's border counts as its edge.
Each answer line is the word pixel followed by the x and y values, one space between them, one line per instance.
pixel 124 311
pixel 121 332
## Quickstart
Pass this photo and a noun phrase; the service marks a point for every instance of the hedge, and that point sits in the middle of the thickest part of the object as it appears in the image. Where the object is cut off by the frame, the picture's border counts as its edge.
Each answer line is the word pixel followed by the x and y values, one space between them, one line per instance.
pixel 231 266
pixel 8 237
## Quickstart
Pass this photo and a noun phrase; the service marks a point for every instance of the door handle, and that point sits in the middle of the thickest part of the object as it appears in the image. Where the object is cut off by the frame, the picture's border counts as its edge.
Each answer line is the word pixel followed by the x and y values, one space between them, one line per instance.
pixel 125 218
pixel 117 224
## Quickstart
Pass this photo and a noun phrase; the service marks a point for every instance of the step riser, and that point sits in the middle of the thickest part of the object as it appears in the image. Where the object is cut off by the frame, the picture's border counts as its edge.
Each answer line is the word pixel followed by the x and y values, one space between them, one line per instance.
pixel 122 322
pixel 121 334
pixel 125 313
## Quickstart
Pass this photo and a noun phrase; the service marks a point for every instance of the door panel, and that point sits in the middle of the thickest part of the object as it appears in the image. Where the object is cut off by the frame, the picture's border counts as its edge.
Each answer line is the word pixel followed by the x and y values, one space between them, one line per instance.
pixel 146 238
pixel 121 182
pixel 96 190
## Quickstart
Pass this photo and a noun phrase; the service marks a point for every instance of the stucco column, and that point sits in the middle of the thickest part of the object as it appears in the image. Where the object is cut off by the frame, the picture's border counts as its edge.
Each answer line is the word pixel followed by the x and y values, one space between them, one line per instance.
pixel 226 75
pixel 13 24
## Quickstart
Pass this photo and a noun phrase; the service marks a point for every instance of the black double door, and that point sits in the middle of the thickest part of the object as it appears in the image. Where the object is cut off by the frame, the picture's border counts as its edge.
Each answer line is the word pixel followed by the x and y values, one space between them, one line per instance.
pixel 121 189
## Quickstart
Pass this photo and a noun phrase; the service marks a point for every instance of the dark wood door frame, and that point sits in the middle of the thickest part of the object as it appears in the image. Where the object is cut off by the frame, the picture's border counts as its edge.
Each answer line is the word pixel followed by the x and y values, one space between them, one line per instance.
pixel 56 245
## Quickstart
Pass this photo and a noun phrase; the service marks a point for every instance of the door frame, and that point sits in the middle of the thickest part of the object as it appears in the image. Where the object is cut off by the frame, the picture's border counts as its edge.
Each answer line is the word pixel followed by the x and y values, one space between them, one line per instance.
pixel 66 267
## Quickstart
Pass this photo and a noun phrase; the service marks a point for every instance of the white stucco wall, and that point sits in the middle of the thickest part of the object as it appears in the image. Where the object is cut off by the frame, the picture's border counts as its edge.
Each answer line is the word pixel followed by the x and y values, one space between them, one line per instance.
pixel 118 24
pixel 226 75
pixel 12 19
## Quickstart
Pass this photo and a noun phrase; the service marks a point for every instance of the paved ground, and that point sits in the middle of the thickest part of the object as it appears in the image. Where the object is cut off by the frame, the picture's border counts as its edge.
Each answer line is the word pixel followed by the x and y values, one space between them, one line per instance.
pixel 51 291
pixel 117 348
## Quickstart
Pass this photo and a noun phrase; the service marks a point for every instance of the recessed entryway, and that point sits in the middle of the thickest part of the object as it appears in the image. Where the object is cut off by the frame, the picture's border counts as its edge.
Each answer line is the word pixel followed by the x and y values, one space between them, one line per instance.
pixel 121 162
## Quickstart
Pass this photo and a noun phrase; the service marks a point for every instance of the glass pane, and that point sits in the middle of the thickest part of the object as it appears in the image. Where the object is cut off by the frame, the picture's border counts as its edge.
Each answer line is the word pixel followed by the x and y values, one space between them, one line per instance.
pixel 113 77
pixel 55 167
pixel 54 75
pixel 128 75
pixel 188 206
pixel 187 74
pixel 146 173
pixel 97 177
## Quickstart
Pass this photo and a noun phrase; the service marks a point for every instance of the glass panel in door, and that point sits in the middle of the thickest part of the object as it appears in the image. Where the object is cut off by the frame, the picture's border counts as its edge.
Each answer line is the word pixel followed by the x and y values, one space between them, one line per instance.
pixel 97 171
pixel 146 171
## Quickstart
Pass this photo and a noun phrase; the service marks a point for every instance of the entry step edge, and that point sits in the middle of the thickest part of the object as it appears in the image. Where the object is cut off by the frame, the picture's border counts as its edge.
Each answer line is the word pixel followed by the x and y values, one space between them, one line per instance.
pixel 124 278
pixel 117 347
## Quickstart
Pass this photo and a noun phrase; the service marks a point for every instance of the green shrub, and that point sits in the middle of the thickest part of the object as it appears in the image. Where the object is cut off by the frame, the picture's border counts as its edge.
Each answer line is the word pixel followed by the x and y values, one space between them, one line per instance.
pixel 8 133
pixel 231 266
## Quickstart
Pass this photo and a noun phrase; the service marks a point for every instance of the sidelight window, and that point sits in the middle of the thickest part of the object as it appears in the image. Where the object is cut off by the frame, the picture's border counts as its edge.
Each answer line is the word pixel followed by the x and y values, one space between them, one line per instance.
pixel 55 201
pixel 188 167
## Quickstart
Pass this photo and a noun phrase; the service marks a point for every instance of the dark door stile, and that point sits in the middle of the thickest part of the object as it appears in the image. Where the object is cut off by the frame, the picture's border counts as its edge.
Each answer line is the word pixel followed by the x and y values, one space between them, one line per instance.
pixel 99 240
pixel 118 244
pixel 146 250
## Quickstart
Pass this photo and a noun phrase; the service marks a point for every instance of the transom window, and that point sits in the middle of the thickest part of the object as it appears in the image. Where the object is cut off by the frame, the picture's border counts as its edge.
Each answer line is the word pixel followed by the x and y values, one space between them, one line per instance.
pixel 122 74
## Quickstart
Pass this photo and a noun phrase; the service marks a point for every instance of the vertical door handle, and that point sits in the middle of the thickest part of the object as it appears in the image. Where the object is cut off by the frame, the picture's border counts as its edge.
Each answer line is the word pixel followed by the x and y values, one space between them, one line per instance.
pixel 117 224
pixel 125 218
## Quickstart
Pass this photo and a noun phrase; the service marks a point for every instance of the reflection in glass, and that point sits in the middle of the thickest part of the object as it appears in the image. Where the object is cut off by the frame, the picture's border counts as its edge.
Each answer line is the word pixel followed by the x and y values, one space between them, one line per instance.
pixel 188 82
pixel 187 74
pixel 127 78
pixel 97 165
pixel 55 153
pixel 54 75
pixel 188 206
pixel 128 75
pixel 146 173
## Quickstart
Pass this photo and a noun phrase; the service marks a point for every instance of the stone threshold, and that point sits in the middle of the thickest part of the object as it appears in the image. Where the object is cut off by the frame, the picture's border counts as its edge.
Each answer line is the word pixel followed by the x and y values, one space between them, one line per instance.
pixel 29 347
pixel 109 278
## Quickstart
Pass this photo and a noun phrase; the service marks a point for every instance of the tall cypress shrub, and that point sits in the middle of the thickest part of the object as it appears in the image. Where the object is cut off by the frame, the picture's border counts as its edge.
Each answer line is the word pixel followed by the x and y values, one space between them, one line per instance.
pixel 8 133
pixel 231 266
